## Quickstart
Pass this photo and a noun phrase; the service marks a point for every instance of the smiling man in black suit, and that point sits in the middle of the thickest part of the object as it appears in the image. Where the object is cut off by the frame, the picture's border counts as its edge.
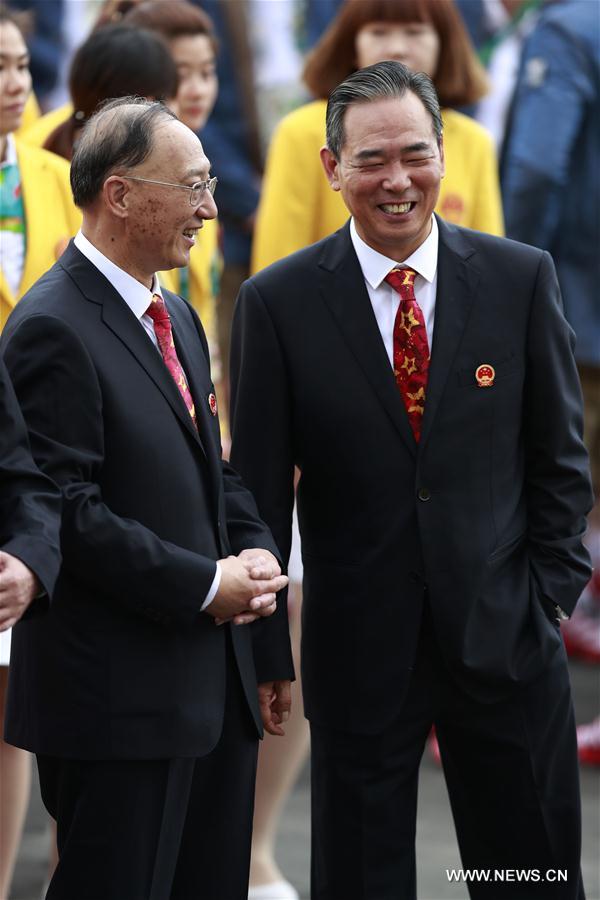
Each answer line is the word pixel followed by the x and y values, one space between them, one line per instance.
pixel 143 713
pixel 421 377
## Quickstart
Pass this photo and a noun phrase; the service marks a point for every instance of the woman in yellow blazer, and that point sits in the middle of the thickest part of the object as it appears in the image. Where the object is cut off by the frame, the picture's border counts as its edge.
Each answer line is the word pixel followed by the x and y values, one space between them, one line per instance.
pixel 37 216
pixel 297 205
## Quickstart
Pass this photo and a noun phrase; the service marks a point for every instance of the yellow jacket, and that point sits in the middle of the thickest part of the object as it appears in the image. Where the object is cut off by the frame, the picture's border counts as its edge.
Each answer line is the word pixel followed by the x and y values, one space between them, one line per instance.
pixel 298 207
pixel 204 275
pixel 40 129
pixel 51 218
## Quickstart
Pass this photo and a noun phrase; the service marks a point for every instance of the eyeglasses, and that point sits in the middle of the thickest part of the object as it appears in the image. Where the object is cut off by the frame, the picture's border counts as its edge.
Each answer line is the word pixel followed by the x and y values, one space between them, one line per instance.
pixel 196 190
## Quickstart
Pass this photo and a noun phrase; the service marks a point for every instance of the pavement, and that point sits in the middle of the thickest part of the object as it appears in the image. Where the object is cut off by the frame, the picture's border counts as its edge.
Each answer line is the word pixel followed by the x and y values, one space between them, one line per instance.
pixel 436 843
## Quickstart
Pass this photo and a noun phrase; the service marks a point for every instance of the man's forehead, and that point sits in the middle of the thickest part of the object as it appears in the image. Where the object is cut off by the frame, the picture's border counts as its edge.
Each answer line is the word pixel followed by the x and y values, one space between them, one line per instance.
pixel 399 121
pixel 178 148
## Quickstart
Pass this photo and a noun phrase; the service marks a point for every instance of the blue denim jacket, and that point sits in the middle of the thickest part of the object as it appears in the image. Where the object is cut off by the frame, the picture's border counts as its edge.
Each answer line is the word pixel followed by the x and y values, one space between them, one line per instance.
pixel 551 160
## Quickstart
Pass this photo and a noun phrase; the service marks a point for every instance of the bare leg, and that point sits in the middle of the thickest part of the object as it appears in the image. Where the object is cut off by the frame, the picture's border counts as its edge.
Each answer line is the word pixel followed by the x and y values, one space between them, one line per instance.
pixel 279 762
pixel 15 781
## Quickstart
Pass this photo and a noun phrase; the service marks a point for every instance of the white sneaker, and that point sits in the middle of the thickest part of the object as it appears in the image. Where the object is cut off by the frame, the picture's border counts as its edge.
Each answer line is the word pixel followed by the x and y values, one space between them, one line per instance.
pixel 276 890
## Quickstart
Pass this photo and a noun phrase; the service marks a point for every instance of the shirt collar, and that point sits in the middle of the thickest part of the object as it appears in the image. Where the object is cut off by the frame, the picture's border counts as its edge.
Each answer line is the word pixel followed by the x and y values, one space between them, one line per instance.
pixel 11 152
pixel 134 293
pixel 375 266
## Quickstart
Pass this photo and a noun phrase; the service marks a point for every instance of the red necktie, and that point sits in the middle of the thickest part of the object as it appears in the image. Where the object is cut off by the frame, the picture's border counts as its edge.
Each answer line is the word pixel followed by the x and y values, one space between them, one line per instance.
pixel 411 348
pixel 164 335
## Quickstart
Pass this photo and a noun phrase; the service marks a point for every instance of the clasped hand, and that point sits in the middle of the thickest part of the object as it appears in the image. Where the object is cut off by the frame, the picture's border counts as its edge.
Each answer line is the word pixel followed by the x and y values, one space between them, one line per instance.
pixel 249 583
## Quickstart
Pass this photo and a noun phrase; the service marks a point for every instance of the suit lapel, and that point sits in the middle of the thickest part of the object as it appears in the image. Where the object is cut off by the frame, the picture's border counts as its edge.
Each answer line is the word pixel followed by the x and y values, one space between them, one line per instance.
pixel 117 316
pixel 343 289
pixel 457 281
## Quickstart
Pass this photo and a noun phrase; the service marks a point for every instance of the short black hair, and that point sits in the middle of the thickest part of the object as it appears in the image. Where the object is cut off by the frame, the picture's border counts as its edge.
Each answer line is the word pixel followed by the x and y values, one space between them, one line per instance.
pixel 126 143
pixel 377 82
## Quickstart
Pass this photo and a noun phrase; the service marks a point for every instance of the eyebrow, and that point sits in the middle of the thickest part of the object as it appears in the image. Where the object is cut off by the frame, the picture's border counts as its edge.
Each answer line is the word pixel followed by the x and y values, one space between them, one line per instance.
pixel 368 153
pixel 17 56
pixel 197 174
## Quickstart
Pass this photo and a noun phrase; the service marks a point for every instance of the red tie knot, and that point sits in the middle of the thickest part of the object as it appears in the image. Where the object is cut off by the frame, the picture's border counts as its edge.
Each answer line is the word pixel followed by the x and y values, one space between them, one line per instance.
pixel 403 281
pixel 157 310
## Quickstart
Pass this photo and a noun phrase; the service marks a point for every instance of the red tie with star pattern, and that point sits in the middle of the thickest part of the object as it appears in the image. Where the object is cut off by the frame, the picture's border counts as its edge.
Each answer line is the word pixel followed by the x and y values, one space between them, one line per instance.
pixel 164 335
pixel 411 348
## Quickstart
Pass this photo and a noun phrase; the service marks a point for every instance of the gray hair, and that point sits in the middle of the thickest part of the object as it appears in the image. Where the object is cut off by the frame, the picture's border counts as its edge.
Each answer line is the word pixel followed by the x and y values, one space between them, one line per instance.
pixel 376 82
pixel 120 135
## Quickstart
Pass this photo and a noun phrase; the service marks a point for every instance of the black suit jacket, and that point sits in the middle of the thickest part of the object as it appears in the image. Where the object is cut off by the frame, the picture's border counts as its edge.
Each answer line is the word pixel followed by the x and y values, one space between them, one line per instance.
pixel 486 513
pixel 124 665
pixel 29 502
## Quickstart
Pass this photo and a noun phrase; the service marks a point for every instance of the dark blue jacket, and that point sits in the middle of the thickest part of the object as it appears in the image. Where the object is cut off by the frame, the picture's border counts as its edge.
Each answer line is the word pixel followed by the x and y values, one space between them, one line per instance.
pixel 551 161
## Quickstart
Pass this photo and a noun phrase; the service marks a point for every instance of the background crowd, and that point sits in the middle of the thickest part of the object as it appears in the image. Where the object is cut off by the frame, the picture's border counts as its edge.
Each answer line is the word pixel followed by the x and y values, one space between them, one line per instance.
pixel 519 83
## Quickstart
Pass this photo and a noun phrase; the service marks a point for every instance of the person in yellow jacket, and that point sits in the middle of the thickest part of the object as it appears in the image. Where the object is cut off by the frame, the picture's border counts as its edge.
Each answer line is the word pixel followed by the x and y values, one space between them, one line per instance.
pixel 37 213
pixel 297 205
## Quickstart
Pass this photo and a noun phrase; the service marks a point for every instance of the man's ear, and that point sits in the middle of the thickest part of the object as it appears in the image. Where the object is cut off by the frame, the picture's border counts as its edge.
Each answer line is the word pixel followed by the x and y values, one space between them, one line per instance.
pixel 330 164
pixel 115 192
pixel 442 157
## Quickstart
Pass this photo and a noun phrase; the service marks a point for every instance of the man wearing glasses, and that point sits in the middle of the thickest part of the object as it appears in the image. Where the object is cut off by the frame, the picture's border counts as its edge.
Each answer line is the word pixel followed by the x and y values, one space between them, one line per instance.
pixel 139 691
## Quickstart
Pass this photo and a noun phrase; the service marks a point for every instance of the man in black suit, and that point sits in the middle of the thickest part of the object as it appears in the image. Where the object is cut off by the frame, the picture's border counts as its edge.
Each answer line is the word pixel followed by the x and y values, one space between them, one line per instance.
pixel 441 504
pixel 143 712
pixel 29 518
pixel 29 564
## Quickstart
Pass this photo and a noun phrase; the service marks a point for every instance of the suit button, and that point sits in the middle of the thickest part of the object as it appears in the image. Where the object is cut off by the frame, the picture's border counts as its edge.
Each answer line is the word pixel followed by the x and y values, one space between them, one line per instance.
pixel 423 494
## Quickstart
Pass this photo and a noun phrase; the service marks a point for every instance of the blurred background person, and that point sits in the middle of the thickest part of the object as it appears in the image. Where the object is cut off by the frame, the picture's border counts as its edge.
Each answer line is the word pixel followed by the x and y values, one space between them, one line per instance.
pixel 297 207
pixel 32 183
pixel 231 140
pixel 498 29
pixel 45 42
pixel 192 43
pixel 77 21
pixel 551 192
pixel 114 61
pixel 37 217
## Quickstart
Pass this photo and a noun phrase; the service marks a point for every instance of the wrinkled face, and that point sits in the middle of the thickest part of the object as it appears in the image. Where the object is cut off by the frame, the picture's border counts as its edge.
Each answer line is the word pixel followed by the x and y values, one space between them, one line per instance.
pixel 15 80
pixel 416 44
pixel 197 92
pixel 389 172
pixel 162 225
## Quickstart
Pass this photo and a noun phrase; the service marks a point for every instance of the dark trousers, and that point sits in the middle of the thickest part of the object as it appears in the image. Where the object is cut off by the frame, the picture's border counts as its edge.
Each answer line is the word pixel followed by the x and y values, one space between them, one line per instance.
pixel 157 829
pixel 512 775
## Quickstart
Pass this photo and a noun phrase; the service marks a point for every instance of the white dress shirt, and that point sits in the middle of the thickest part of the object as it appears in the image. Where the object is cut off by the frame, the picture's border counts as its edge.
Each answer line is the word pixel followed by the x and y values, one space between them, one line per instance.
pixel 384 299
pixel 138 298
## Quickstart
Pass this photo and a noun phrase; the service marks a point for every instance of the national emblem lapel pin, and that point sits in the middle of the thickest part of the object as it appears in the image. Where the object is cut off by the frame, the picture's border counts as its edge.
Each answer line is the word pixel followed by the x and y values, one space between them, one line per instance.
pixel 484 375
pixel 212 404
